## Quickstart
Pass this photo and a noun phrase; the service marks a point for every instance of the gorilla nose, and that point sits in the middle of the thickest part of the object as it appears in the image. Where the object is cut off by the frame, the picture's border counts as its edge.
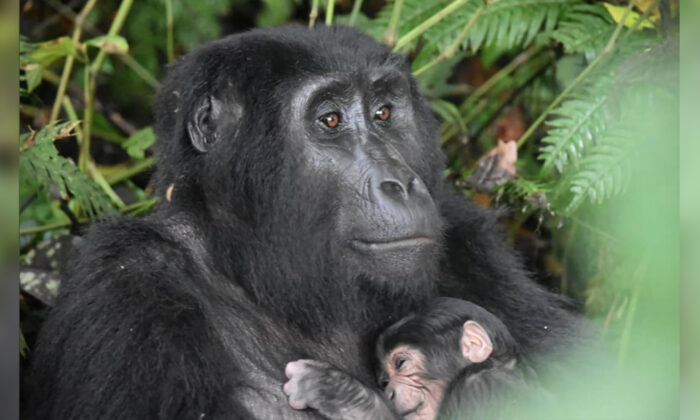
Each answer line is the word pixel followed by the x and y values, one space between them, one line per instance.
pixel 395 188
pixel 390 393
pixel 399 189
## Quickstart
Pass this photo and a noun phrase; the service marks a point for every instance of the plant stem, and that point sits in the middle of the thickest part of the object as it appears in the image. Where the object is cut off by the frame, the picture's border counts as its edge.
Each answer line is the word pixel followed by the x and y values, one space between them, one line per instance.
pixel 130 62
pixel 130 209
pixel 392 31
pixel 314 13
pixel 609 47
pixel 639 21
pixel 330 8
pixel 130 171
pixel 140 70
pixel 519 60
pixel 169 40
pixel 68 65
pixel 469 106
pixel 97 176
pixel 420 29
pixel 454 45
pixel 91 74
pixel 72 116
pixel 356 6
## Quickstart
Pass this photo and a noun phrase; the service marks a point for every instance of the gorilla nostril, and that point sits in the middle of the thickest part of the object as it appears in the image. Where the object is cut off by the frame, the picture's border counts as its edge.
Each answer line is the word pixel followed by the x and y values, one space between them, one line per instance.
pixel 394 189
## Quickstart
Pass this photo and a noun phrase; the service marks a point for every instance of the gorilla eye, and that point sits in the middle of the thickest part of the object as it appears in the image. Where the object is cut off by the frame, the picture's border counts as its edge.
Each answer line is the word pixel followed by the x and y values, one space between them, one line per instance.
pixel 331 119
pixel 383 113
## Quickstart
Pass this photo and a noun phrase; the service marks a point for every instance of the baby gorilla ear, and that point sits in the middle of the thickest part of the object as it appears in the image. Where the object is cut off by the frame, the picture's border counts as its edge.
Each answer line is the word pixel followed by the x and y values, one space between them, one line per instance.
pixel 475 343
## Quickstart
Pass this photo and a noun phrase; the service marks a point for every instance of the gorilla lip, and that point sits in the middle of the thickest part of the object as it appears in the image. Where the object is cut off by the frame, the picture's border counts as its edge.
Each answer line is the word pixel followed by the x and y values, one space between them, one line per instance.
pixel 392 244
pixel 413 410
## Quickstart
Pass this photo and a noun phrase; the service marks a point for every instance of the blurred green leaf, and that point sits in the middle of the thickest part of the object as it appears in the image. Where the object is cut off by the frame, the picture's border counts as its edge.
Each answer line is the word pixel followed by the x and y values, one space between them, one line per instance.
pixel 137 144
pixel 274 12
pixel 47 52
pixel 112 44
pixel 32 75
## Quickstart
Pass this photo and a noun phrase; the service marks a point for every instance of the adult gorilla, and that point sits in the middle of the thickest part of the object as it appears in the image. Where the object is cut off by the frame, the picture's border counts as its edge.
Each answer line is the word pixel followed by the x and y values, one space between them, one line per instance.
pixel 303 210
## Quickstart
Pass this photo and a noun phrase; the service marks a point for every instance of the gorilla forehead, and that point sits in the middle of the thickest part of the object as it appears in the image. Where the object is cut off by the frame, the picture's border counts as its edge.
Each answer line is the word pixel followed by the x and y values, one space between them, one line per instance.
pixel 296 52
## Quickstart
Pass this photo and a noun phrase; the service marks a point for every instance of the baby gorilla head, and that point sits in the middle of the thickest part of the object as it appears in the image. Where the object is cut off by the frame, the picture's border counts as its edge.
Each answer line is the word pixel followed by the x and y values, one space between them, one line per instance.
pixel 423 356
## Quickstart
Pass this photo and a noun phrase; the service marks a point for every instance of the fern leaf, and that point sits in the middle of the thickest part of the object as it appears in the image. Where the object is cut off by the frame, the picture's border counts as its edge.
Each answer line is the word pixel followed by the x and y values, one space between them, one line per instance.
pixel 579 122
pixel 604 172
pixel 504 24
pixel 585 28
pixel 41 165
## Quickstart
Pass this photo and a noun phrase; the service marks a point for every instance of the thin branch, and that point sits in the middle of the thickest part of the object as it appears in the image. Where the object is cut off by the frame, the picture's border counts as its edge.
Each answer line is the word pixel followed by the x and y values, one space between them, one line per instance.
pixel 420 29
pixel 470 107
pixel 392 31
pixel 91 74
pixel 130 171
pixel 314 13
pixel 127 59
pixel 130 209
pixel 28 201
pixel 68 65
pixel 330 9
pixel 609 47
pixel 639 21
pixel 356 6
pixel 116 118
pixel 102 182
pixel 169 39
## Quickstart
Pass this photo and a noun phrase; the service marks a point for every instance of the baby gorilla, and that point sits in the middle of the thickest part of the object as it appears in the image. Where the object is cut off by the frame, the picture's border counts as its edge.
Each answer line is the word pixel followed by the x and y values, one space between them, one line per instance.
pixel 452 360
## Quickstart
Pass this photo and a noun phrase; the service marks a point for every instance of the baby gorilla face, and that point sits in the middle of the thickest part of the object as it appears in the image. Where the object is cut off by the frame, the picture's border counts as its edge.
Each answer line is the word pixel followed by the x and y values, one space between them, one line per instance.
pixel 404 378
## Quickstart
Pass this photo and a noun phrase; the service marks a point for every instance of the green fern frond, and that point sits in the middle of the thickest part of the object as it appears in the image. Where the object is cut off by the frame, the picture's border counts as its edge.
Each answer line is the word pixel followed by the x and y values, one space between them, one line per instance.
pixel 579 122
pixel 503 23
pixel 40 164
pixel 604 172
pixel 584 29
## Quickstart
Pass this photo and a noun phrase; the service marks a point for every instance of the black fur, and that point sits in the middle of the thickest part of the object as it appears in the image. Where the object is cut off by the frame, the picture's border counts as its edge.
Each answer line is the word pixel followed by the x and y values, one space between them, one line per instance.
pixel 193 311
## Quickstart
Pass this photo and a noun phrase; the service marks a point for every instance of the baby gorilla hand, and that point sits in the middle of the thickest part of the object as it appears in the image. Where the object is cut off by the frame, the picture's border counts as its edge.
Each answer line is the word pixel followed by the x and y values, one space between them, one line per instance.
pixel 335 394
pixel 305 384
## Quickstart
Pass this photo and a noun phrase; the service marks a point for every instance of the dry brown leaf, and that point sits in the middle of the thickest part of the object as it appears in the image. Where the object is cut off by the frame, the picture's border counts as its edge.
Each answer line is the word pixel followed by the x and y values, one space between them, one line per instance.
pixel 496 167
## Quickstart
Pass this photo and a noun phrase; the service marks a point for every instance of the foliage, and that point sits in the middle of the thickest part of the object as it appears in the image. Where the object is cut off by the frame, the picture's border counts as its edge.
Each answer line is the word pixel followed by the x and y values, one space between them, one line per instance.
pixel 587 78
pixel 40 166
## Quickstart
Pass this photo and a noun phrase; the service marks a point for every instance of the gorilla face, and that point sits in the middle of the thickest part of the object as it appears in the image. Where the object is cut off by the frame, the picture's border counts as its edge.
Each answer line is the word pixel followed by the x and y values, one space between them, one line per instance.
pixel 314 146
pixel 358 130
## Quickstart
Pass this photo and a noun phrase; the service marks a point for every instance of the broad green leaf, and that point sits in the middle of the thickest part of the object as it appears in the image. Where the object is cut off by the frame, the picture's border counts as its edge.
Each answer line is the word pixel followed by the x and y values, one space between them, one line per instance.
pixel 47 52
pixel 618 11
pixel 112 44
pixel 32 76
pixel 137 144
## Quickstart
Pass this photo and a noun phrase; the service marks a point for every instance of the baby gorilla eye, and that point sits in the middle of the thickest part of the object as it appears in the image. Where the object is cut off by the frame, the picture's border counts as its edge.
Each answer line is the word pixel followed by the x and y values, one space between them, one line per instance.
pixel 331 119
pixel 400 362
pixel 383 113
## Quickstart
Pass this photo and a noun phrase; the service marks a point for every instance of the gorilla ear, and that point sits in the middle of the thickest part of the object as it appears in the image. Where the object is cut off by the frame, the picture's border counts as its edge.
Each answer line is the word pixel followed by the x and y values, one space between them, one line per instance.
pixel 475 343
pixel 202 127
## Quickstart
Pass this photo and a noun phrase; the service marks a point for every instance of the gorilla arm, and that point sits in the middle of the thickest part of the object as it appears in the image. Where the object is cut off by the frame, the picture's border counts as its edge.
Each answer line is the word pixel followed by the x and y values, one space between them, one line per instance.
pixel 129 341
pixel 483 268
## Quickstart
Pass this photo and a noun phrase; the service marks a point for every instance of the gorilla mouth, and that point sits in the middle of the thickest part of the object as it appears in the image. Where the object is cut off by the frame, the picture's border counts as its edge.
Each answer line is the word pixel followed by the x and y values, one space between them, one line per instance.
pixel 414 410
pixel 392 244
